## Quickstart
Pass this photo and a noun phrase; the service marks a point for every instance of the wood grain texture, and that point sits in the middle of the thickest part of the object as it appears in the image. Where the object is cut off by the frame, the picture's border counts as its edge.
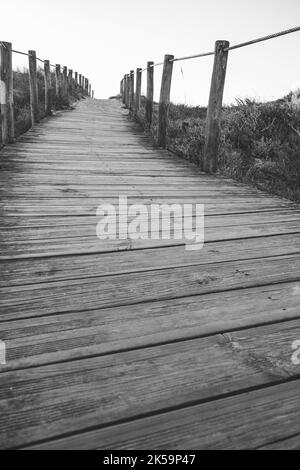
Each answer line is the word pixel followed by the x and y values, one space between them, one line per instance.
pixel 133 383
pixel 141 344
pixel 249 420
pixel 58 338
pixel 127 289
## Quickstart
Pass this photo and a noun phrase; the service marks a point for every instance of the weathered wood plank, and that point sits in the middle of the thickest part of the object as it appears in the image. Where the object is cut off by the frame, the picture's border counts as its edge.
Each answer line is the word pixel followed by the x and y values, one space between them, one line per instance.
pixel 248 421
pixel 290 443
pixel 126 289
pixel 72 245
pixel 58 268
pixel 57 338
pixel 130 384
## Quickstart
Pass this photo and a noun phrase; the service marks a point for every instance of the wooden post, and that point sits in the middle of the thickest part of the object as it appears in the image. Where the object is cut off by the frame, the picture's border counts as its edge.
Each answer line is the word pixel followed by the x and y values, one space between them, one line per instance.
pixel 80 80
pixel 214 110
pixel 127 90
pixel 76 79
pixel 131 90
pixel 65 82
pixel 90 89
pixel 138 90
pixel 48 96
pixel 164 100
pixel 57 80
pixel 150 88
pixel 124 89
pixel 6 94
pixel 93 94
pixel 70 81
pixel 33 85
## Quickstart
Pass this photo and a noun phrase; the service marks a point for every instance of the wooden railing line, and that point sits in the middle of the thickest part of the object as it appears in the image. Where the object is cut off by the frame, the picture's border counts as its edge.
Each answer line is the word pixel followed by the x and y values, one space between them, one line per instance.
pixel 64 81
pixel 212 135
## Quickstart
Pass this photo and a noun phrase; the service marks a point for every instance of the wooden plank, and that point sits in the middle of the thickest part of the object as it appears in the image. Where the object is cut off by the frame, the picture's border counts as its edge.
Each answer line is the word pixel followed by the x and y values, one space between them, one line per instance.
pixel 58 268
pixel 58 338
pixel 248 421
pixel 218 220
pixel 72 245
pixel 126 289
pixel 71 206
pixel 290 443
pixel 133 383
pixel 85 229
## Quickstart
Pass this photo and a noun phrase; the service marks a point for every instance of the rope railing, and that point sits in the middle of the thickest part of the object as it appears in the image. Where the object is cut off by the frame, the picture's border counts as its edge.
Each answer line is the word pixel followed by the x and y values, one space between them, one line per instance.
pixel 132 100
pixel 237 46
pixel 64 86
pixel 265 38
pixel 193 56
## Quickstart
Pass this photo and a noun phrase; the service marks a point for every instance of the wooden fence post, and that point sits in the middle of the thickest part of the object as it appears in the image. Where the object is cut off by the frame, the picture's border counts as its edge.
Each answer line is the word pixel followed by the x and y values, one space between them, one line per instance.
pixel 128 91
pixel 150 88
pixel 65 82
pixel 164 100
pixel 76 79
pixel 80 80
pixel 138 90
pixel 90 89
pixel 57 80
pixel 48 95
pixel 93 94
pixel 70 81
pixel 33 85
pixel 124 89
pixel 131 90
pixel 214 110
pixel 6 94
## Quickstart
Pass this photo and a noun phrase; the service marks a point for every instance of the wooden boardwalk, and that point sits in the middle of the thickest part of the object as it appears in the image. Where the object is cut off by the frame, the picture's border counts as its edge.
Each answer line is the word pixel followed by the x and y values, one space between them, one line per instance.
pixel 141 344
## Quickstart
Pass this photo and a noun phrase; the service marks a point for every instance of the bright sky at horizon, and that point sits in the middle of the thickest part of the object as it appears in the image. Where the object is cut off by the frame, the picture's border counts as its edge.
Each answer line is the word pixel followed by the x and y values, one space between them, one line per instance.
pixel 104 39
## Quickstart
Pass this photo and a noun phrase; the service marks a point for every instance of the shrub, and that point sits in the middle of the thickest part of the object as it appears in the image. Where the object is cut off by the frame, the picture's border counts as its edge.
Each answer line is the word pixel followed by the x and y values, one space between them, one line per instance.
pixel 22 114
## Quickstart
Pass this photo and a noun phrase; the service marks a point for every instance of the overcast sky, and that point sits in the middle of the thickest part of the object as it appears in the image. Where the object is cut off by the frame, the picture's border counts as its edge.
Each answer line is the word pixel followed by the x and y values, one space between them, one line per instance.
pixel 104 39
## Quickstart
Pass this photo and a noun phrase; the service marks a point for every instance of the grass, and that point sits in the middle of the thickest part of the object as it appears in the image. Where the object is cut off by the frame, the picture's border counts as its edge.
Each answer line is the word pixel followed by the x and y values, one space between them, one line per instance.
pixel 260 142
pixel 22 112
